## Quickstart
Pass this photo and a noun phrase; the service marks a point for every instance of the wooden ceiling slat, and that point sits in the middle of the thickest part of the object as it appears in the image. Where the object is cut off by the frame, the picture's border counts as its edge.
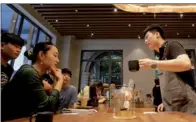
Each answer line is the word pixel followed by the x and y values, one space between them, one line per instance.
pixel 98 13
pixel 124 19
pixel 115 16
pixel 127 22
pixel 127 29
pixel 136 36
pixel 79 9
pixel 121 33
pixel 121 24
pixel 70 5
pixel 116 27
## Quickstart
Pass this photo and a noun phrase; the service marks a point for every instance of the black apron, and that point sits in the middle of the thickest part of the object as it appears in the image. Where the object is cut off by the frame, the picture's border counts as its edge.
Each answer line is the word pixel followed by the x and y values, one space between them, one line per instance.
pixel 176 94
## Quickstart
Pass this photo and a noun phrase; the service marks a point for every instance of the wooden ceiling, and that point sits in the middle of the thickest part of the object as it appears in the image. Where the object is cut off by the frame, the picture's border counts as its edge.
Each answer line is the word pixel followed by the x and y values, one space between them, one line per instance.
pixel 104 21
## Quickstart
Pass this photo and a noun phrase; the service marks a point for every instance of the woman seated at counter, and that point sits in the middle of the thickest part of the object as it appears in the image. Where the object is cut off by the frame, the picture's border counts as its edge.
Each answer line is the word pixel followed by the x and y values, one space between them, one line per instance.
pixel 25 94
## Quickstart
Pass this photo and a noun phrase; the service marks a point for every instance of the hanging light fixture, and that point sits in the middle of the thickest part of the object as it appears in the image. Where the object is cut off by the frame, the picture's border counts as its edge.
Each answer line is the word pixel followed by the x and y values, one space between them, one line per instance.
pixel 157 8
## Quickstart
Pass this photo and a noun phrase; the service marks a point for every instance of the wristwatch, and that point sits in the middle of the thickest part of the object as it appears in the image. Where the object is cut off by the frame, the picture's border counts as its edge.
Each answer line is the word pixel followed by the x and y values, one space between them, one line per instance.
pixel 154 65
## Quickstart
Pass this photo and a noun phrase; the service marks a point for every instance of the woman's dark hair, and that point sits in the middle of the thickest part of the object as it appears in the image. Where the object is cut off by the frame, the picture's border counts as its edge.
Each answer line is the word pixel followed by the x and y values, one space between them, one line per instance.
pixel 42 46
pixel 98 84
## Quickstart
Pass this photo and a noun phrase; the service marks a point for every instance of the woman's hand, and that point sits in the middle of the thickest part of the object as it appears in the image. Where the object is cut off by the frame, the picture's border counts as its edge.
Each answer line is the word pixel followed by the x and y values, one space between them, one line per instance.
pixel 47 86
pixel 57 73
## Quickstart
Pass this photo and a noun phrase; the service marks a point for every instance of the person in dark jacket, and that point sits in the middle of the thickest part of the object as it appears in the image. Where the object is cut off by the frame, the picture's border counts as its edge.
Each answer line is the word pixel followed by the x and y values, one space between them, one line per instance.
pixel 11 45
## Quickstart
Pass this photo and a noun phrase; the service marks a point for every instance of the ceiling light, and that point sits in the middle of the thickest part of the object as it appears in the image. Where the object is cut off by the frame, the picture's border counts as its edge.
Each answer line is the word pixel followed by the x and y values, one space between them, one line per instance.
pixel 92 34
pixel 56 20
pixel 115 9
pixel 87 25
pixel 139 37
pixel 165 25
pixel 154 15
pixel 14 20
pixel 144 13
pixel 193 25
pixel 181 15
pixel 177 33
pixel 129 25
pixel 188 35
pixel 157 8
pixel 76 10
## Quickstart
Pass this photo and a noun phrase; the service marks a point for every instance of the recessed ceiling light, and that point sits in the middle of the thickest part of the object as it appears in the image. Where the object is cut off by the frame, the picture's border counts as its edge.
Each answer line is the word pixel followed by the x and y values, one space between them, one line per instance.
pixel 129 25
pixel 139 37
pixel 181 15
pixel 193 25
pixel 115 9
pixel 154 15
pixel 56 20
pixel 76 10
pixel 87 25
pixel 188 35
pixel 41 4
pixel 144 13
pixel 165 25
pixel 177 33
pixel 92 34
pixel 14 20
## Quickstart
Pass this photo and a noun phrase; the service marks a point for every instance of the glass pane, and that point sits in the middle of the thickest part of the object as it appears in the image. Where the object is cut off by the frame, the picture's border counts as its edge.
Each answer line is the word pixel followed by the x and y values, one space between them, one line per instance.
pixel 101 71
pixel 95 67
pixel 17 24
pixel 34 36
pixel 94 71
pixel 116 55
pixel 20 60
pixel 103 55
pixel 116 72
pixel 47 39
pixel 85 74
pixel 88 55
pixel 25 35
pixel 96 55
pixel 25 30
pixel 6 17
pixel 42 37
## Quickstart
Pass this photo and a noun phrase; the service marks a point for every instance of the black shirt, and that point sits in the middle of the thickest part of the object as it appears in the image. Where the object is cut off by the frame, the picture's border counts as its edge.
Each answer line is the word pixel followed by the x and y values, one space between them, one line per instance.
pixel 25 95
pixel 171 50
pixel 6 73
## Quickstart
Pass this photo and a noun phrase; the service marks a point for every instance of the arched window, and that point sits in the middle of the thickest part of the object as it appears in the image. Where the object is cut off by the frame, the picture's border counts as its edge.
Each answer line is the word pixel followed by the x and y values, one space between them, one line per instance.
pixel 104 66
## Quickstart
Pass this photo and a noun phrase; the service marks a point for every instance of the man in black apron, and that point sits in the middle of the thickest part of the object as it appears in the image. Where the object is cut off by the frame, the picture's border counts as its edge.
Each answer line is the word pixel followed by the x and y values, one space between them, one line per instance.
pixel 176 76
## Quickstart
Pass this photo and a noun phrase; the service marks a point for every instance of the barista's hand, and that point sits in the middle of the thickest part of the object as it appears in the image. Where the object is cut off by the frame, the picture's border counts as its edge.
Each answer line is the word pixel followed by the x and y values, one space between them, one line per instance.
pixel 160 107
pixel 145 63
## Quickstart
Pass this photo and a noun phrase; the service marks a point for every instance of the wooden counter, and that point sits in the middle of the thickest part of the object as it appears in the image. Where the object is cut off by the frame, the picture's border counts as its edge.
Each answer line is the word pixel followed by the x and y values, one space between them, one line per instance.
pixel 106 116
